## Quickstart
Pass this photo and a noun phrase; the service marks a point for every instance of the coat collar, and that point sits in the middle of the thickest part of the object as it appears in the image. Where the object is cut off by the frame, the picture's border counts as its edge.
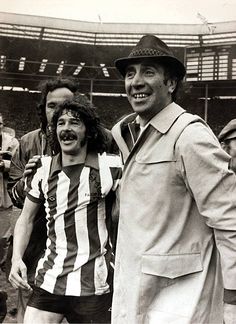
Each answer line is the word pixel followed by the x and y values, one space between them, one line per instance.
pixel 166 117
pixel 161 121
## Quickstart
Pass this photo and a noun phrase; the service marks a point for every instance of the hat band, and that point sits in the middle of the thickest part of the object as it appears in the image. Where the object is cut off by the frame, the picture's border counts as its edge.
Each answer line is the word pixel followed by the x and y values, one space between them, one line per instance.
pixel 146 52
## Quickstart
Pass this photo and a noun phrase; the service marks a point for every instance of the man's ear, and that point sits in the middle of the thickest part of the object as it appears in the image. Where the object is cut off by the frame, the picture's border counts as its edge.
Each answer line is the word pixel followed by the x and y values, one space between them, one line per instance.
pixel 225 146
pixel 172 85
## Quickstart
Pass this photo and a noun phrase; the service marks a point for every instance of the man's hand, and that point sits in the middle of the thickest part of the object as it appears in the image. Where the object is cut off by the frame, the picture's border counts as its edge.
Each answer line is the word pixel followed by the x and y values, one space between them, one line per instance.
pixel 18 275
pixel 229 314
pixel 30 166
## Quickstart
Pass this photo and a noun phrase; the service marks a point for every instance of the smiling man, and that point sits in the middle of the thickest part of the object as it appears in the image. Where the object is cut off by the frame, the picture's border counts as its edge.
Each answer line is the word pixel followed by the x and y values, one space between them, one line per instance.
pixel 177 203
pixel 37 142
pixel 73 277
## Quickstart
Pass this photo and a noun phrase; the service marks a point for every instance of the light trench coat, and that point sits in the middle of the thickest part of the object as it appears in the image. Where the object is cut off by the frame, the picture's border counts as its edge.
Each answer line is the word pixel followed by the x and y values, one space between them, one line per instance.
pixel 9 144
pixel 177 203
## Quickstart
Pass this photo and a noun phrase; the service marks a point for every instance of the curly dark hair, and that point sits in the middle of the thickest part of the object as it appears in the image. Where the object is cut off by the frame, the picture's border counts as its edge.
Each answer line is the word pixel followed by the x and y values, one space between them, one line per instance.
pixel 50 85
pixel 81 107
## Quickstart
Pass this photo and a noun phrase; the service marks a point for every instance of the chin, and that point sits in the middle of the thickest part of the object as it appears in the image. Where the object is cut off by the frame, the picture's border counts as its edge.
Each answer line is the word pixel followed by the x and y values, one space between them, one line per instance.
pixel 140 110
pixel 71 152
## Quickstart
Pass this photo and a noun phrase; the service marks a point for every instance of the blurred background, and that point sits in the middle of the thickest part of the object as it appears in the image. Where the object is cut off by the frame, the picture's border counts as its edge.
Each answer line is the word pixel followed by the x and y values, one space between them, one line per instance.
pixel 45 39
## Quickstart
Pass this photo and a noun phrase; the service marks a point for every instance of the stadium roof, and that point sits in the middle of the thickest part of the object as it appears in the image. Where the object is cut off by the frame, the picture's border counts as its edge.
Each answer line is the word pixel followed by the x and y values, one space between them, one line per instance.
pixel 34 27
pixel 131 11
pixel 34 48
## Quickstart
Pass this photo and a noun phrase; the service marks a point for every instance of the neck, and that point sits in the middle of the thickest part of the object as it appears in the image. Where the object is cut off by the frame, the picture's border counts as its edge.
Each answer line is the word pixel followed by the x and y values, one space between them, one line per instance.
pixel 145 118
pixel 72 159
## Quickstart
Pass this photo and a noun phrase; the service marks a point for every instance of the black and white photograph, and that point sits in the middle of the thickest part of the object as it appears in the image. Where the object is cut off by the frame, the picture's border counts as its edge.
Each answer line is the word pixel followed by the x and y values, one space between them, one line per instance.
pixel 118 161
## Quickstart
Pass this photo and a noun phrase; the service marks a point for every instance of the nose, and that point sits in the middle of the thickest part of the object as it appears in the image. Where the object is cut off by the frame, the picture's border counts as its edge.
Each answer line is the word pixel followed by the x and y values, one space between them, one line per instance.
pixel 137 80
pixel 66 126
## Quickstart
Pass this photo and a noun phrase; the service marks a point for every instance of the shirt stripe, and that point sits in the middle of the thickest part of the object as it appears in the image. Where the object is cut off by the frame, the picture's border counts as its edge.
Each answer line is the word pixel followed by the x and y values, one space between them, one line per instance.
pixel 73 174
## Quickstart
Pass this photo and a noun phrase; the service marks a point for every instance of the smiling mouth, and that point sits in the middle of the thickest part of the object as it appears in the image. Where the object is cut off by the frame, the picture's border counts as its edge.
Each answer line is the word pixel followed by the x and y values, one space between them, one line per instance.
pixel 67 140
pixel 65 137
pixel 140 95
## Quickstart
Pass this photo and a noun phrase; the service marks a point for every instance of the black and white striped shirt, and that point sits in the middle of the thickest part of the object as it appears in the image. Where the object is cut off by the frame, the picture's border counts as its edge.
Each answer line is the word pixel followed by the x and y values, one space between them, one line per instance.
pixel 78 249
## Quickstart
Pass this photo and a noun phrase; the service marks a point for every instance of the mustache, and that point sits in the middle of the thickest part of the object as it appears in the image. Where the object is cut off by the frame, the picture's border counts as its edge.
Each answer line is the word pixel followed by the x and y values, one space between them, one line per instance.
pixel 67 135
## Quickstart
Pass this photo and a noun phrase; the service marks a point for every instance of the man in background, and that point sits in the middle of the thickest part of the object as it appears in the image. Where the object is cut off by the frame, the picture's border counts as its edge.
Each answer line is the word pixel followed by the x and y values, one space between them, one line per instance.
pixel 227 138
pixel 8 145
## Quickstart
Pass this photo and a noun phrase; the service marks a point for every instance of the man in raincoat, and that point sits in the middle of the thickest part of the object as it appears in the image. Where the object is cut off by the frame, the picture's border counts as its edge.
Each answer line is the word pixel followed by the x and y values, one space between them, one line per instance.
pixel 176 246
pixel 8 145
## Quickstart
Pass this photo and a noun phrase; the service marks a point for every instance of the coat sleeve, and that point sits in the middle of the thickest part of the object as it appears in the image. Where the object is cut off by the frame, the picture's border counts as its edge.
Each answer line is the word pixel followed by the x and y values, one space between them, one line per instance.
pixel 16 185
pixel 11 147
pixel 205 169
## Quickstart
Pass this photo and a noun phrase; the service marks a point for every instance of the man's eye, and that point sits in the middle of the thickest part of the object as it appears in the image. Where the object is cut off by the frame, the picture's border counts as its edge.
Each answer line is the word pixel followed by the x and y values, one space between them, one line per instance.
pixel 149 72
pixel 77 122
pixel 129 74
pixel 59 123
pixel 51 105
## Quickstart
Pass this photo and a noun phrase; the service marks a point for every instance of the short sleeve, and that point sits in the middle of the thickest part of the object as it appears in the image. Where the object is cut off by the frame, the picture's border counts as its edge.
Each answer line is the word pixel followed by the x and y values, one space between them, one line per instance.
pixel 34 185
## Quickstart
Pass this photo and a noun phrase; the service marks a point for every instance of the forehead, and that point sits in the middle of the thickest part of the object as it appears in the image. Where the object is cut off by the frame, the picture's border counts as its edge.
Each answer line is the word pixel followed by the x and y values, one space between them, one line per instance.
pixel 69 114
pixel 59 95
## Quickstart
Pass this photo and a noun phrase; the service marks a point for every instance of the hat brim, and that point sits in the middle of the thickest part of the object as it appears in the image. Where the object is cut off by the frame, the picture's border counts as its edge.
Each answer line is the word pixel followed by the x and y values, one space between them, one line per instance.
pixel 176 66
pixel 230 135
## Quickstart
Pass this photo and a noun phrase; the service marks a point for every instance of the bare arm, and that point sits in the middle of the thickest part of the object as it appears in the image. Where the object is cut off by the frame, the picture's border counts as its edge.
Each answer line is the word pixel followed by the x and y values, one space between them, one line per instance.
pixel 22 232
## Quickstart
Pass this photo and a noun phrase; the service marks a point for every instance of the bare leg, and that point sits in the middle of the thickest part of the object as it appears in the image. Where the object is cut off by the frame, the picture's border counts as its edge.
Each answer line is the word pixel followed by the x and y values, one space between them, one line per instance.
pixel 22 300
pixel 33 315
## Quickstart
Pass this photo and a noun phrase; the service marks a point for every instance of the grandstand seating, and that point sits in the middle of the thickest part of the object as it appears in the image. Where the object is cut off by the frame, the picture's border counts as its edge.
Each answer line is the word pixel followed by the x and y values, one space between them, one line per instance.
pixel 48 47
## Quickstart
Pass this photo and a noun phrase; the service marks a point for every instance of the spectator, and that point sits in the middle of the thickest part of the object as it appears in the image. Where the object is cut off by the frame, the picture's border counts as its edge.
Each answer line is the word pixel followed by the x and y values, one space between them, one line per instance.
pixel 177 226
pixel 73 275
pixel 8 145
pixel 3 305
pixel 227 138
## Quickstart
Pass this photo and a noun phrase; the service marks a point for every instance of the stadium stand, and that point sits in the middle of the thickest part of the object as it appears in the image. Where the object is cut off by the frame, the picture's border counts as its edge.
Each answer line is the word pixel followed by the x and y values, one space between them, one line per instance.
pixel 37 48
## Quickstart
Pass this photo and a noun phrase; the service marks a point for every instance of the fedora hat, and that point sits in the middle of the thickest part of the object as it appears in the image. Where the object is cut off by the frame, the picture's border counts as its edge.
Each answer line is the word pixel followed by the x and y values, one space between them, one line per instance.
pixel 150 46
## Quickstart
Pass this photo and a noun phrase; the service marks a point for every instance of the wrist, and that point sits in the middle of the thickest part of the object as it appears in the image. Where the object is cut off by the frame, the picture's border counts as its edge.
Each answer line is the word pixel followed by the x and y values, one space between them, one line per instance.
pixel 16 258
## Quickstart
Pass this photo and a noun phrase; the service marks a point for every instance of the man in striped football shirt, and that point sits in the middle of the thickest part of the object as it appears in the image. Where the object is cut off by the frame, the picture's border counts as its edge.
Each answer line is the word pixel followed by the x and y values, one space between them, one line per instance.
pixel 75 186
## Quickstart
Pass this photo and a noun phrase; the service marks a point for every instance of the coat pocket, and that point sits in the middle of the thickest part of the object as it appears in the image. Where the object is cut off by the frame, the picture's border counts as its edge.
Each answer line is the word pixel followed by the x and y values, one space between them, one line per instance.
pixel 171 265
pixel 155 157
pixel 161 273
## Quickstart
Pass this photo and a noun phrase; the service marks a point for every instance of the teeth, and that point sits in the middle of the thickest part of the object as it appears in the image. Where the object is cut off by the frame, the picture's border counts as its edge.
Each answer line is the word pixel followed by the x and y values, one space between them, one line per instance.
pixel 68 138
pixel 140 95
